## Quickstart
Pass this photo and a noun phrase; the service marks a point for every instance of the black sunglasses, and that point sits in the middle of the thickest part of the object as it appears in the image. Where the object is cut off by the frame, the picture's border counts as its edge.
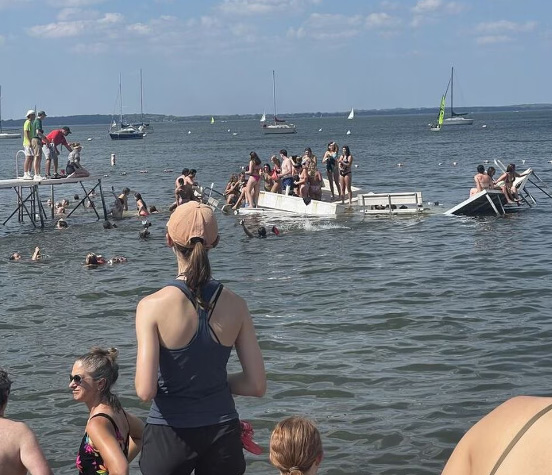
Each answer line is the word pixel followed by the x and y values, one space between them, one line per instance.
pixel 77 378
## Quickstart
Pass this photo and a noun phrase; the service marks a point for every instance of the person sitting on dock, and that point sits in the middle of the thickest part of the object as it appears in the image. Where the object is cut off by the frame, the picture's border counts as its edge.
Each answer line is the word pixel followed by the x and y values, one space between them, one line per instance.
pixel 232 190
pixel 50 150
pixel 482 181
pixel 316 182
pixel 73 169
pixel 20 451
pixel 506 182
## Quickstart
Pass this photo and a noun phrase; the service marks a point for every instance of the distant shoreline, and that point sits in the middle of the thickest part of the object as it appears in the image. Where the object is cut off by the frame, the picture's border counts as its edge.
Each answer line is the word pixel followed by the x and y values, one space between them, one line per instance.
pixel 99 119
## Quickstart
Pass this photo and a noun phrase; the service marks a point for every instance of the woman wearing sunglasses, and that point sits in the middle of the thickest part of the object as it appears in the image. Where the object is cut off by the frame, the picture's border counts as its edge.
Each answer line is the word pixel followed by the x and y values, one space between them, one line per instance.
pixel 113 437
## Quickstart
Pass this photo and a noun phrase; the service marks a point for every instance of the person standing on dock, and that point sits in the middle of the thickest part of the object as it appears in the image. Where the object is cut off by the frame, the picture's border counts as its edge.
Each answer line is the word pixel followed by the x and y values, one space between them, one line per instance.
pixel 27 136
pixel 55 138
pixel 38 138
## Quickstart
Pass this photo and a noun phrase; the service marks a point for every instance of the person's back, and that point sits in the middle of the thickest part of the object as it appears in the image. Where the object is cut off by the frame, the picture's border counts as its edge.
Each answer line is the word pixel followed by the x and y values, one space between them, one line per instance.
pixel 19 449
pixel 497 443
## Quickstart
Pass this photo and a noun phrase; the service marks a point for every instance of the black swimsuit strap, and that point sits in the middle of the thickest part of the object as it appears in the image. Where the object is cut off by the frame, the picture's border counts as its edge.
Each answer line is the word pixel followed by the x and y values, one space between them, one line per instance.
pixel 519 435
pixel 108 417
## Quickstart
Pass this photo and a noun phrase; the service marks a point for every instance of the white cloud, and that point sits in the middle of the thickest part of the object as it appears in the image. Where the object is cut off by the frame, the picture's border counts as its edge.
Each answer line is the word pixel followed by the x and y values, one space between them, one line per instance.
pixel 506 26
pixel 424 6
pixel 90 48
pixel 68 14
pixel 263 7
pixel 381 20
pixel 486 40
pixel 429 11
pixel 67 29
pixel 73 3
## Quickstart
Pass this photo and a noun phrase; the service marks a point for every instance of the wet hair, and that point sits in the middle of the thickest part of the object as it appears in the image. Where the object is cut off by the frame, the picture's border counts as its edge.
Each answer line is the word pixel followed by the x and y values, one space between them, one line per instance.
pixel 91 259
pixel 268 165
pixel 284 152
pixel 126 190
pixel 5 387
pixel 185 171
pixel 181 181
pixel 138 196
pixel 261 231
pixel 511 168
pixel 76 198
pixel 274 159
pixel 193 171
pixel 198 271
pixel 153 209
pixel 295 445
pixel 15 256
pixel 308 150
pixel 62 223
pixel 480 169
pixel 491 171
pixel 102 364
pixel 347 151
pixel 255 158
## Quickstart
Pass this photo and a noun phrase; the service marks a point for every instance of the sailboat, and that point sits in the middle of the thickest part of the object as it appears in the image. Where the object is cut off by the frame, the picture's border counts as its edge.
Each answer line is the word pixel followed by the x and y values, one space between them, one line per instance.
pixel 212 120
pixel 441 116
pixel 6 135
pixel 123 131
pixel 278 126
pixel 351 114
pixel 455 118
pixel 142 126
pixel 263 118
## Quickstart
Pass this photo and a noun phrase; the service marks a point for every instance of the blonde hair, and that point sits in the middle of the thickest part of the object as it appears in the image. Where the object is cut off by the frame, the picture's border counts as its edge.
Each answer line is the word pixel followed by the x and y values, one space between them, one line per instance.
pixel 102 364
pixel 295 445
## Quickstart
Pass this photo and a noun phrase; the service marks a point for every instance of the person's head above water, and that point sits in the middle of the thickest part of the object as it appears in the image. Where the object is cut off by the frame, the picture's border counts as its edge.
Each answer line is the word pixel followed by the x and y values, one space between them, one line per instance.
pixel 480 169
pixel 295 446
pixel 261 231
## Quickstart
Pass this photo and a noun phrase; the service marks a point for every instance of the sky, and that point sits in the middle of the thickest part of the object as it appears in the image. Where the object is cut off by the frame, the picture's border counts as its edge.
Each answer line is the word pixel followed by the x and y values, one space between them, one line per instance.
pixel 216 57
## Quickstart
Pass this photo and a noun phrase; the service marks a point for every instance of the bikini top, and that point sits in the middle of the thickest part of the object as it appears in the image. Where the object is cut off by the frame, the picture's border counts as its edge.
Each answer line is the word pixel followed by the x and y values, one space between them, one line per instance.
pixel 518 436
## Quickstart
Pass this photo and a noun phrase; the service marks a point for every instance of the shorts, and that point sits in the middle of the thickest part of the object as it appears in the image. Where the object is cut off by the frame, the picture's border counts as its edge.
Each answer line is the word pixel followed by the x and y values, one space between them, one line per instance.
pixel 50 152
pixel 210 450
pixel 287 182
pixel 36 145
pixel 28 150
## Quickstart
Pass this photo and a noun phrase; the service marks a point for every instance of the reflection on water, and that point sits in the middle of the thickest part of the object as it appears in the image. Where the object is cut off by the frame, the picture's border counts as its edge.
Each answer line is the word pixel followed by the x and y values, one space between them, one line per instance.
pixel 394 334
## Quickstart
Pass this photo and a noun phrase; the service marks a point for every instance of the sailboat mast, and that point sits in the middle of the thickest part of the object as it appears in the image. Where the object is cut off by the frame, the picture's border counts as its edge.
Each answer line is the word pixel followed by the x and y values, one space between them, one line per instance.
pixel 121 97
pixel 452 91
pixel 274 93
pixel 141 98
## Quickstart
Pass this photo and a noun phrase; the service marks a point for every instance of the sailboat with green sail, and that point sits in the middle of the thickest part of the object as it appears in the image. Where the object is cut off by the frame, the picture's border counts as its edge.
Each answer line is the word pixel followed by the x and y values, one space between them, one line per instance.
pixel 441 116
pixel 456 118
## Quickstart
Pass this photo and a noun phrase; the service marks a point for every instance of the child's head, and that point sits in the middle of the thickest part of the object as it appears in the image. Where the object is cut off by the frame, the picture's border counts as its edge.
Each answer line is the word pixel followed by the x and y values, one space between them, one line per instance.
pixel 295 446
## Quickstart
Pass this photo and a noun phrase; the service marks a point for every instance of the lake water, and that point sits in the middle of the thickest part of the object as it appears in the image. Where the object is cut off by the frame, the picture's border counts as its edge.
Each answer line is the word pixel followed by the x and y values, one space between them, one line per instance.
pixel 394 334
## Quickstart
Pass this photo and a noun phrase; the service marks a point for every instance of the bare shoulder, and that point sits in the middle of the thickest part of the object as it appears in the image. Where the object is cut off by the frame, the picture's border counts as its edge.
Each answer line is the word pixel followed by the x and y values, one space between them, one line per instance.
pixel 162 296
pixel 14 428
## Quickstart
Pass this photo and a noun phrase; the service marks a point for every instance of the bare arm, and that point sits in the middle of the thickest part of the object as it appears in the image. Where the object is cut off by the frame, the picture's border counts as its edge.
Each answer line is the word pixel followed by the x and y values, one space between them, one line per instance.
pixel 249 233
pixel 147 360
pixel 32 456
pixel 251 381
pixel 103 437
pixel 135 431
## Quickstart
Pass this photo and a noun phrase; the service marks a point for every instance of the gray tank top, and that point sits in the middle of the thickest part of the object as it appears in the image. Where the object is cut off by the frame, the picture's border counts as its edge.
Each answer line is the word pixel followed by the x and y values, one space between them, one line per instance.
pixel 192 386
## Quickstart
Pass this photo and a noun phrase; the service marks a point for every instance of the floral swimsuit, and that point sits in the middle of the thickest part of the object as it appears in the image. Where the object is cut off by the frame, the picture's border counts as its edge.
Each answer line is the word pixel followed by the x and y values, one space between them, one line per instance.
pixel 89 461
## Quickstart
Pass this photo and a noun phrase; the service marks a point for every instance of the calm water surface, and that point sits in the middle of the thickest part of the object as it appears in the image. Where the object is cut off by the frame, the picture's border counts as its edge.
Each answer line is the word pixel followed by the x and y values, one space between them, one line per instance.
pixel 395 335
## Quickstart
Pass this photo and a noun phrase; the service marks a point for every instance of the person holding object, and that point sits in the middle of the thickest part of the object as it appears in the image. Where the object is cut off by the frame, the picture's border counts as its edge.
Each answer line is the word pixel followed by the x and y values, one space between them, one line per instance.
pixel 19 450
pixel 51 152
pixel 185 334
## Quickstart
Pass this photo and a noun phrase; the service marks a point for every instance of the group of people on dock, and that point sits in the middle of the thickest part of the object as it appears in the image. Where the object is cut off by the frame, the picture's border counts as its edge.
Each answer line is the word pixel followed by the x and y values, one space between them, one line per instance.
pixel 484 180
pixel 37 143
pixel 297 175
pixel 185 334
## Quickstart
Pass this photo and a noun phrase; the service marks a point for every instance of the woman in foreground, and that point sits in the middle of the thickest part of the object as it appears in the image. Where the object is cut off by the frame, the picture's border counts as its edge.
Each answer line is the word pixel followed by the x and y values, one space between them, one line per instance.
pixel 186 332
pixel 295 447
pixel 345 163
pixel 113 436
pixel 514 438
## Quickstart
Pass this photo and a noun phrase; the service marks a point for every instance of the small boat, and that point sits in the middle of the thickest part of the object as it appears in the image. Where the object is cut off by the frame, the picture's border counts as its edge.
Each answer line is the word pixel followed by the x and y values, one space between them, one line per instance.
pixel 441 116
pixel 212 120
pixel 351 114
pixel 279 126
pixel 6 135
pixel 142 126
pixel 122 130
pixel 263 118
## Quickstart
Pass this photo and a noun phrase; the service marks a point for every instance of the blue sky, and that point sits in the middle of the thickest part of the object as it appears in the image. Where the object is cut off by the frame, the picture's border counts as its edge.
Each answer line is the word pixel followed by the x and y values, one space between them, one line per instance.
pixel 216 57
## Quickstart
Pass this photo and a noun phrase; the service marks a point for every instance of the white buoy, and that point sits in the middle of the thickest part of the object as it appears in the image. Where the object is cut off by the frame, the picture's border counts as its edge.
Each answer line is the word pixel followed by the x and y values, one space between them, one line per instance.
pixel 319 130
pixel 228 130
pixel 348 132
pixel 89 139
pixel 189 132
pixel 453 164
pixel 356 166
pixel 523 161
pixel 484 126
pixel 113 159
pixel 440 163
pixel 234 133
pixel 399 164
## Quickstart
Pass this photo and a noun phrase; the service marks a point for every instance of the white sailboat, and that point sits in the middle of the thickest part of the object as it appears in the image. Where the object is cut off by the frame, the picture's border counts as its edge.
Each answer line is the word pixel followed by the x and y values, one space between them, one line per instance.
pixel 263 118
pixel 142 126
pixel 122 130
pixel 6 135
pixel 351 114
pixel 278 126
pixel 455 118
